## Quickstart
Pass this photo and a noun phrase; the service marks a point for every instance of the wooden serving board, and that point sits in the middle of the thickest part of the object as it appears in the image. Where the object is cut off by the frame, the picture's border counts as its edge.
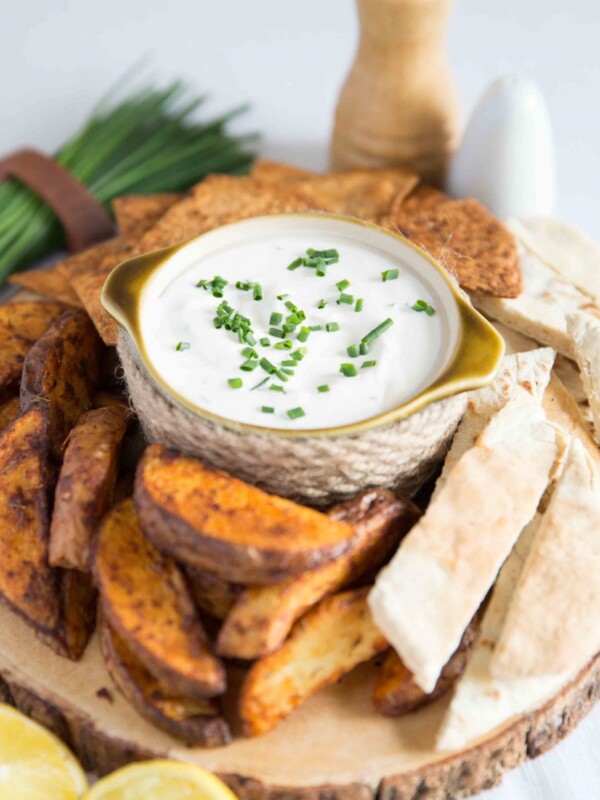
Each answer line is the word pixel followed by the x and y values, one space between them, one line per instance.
pixel 333 748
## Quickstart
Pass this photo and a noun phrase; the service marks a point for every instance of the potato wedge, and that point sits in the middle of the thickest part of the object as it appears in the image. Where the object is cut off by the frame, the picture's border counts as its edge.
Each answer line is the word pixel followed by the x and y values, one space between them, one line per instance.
pixel 198 721
pixel 21 324
pixel 329 642
pixel 263 616
pixel 145 599
pixel 9 411
pixel 61 371
pixel 210 520
pixel 212 595
pixel 26 581
pixel 396 692
pixel 86 485
pixel 78 600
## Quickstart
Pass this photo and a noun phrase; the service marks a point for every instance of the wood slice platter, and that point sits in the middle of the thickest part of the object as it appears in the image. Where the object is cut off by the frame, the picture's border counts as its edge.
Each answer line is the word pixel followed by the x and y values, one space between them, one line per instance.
pixel 333 748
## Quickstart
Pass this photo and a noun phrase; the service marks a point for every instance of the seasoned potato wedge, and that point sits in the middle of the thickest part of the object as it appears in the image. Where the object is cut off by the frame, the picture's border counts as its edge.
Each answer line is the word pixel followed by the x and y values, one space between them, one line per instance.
pixel 329 642
pixel 61 371
pixel 9 411
pixel 145 599
pixel 210 520
pixel 396 693
pixel 78 599
pixel 26 580
pixel 198 721
pixel 21 324
pixel 212 595
pixel 85 485
pixel 263 616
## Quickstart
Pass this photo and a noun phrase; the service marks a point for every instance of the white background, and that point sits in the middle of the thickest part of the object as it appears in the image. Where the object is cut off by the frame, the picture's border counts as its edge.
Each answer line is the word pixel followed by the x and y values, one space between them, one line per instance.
pixel 288 57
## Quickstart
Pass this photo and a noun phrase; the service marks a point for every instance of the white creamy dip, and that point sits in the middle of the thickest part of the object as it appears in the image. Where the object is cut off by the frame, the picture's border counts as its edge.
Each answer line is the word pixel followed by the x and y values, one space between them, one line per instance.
pixel 409 354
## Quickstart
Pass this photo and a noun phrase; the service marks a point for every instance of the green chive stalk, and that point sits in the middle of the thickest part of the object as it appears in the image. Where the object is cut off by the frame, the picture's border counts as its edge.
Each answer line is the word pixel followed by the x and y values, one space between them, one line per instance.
pixel 145 143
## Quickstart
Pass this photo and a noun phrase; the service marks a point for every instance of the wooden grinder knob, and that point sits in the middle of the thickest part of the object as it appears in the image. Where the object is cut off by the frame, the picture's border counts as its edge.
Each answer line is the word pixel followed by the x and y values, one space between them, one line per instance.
pixel 399 105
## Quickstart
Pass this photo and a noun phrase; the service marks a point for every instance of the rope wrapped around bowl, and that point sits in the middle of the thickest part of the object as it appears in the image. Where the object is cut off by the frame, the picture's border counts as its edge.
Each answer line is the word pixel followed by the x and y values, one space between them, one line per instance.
pixel 315 470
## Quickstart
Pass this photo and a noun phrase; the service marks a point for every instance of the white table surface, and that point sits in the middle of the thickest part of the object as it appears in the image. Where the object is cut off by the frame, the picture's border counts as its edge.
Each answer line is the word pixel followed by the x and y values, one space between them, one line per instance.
pixel 289 58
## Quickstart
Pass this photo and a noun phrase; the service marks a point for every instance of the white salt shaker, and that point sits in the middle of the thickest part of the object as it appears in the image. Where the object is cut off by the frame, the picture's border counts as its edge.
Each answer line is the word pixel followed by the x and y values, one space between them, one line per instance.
pixel 506 158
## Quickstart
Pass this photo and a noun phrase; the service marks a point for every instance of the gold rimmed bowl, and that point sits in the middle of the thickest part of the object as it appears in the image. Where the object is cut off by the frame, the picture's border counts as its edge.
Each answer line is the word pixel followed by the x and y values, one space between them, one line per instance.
pixel 398 448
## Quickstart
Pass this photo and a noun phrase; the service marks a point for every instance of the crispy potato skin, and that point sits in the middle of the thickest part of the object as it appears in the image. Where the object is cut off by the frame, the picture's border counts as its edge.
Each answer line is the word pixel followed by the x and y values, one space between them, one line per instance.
pixel 26 580
pixel 78 601
pixel 9 411
pixel 146 601
pixel 86 485
pixel 197 721
pixel 210 520
pixel 396 693
pixel 263 616
pixel 21 324
pixel 327 643
pixel 61 371
pixel 212 595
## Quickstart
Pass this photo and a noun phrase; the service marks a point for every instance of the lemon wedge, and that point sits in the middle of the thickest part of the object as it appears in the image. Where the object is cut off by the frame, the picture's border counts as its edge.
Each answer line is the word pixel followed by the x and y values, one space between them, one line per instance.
pixel 34 764
pixel 160 780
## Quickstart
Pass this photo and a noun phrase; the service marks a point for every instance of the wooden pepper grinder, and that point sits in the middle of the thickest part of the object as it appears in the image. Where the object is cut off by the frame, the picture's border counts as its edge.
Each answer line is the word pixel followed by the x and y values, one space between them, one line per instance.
pixel 399 105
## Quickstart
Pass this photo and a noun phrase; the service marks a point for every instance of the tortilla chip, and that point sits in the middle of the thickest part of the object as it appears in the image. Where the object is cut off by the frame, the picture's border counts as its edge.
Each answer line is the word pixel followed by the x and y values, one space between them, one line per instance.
pixel 88 259
pixel 464 238
pixel 50 282
pixel 89 289
pixel 364 193
pixel 219 200
pixel 278 172
pixel 137 213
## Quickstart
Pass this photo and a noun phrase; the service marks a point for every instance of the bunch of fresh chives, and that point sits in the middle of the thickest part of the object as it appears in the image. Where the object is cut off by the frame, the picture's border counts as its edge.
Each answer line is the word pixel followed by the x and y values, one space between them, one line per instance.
pixel 148 142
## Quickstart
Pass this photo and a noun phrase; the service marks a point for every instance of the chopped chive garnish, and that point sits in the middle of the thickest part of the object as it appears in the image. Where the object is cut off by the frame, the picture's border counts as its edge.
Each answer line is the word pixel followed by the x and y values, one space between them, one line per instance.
pixel 243 285
pixel 249 366
pixel 295 264
pixel 267 366
pixel 321 269
pixel 265 341
pixel 341 285
pixel 367 364
pixel 249 352
pixel 376 332
pixel 359 304
pixel 326 254
pixel 281 374
pixel 332 326
pixel 352 351
pixel 277 332
pixel 284 345
pixel 390 274
pixel 288 327
pixel 347 299
pixel 249 339
pixel 282 296
pixel 295 413
pixel 323 388
pixel 321 303
pixel 291 306
pixel 363 348
pixel 267 409
pixel 289 363
pixel 216 285
pixel 299 354
pixel 275 318
pixel 235 383
pixel 288 371
pixel 303 335
pixel 258 385
pixel 349 370
pixel 315 327
pixel 182 346
pixel 423 305
pixel 257 291
pixel 275 387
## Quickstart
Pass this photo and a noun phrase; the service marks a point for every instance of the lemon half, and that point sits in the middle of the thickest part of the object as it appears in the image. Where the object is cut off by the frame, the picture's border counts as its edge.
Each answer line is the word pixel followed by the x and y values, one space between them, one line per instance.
pixel 34 764
pixel 160 780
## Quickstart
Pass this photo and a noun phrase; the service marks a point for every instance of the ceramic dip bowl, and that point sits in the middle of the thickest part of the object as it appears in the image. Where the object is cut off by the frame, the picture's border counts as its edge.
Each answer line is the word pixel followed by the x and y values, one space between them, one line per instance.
pixel 190 395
